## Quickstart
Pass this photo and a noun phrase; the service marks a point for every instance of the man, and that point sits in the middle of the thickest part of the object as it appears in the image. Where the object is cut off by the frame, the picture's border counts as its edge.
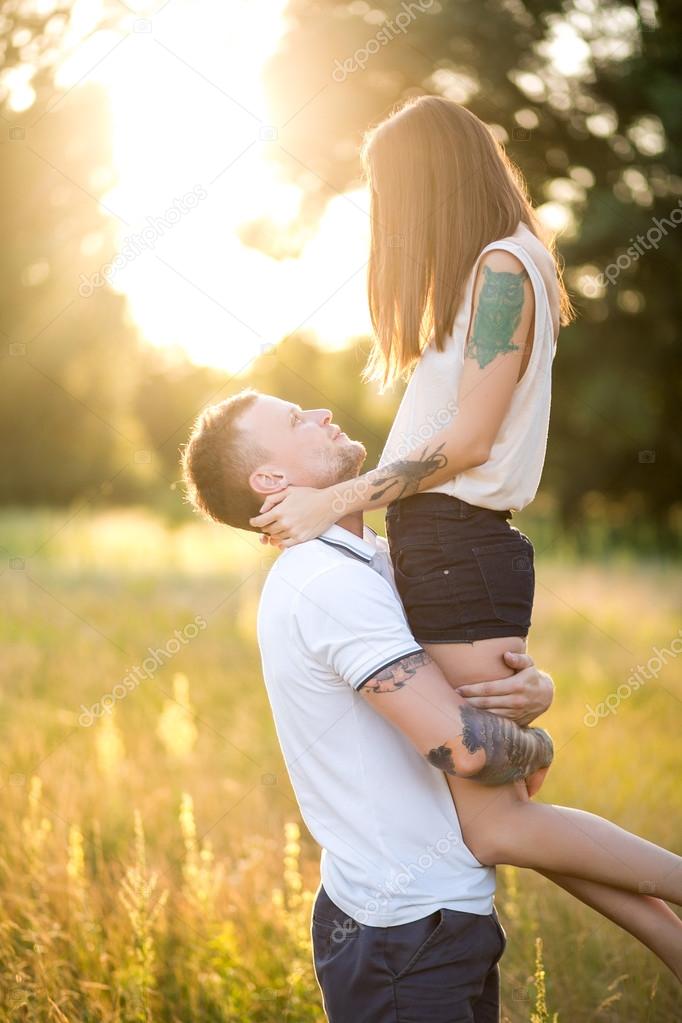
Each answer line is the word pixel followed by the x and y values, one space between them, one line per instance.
pixel 403 923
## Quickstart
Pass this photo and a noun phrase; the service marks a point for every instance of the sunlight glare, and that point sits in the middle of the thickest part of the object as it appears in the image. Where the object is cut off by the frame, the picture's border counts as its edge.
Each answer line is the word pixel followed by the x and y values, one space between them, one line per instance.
pixel 190 118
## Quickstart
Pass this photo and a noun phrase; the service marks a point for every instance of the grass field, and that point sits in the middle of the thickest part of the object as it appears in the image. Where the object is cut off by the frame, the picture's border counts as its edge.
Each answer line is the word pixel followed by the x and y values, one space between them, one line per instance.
pixel 152 861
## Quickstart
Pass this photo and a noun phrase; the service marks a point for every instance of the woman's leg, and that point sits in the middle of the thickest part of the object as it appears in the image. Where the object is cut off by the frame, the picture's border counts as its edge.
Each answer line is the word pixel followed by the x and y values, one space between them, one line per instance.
pixel 499 825
pixel 648 919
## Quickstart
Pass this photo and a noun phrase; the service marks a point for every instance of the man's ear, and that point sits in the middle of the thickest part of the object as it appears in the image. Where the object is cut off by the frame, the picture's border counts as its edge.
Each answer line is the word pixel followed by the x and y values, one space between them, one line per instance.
pixel 268 481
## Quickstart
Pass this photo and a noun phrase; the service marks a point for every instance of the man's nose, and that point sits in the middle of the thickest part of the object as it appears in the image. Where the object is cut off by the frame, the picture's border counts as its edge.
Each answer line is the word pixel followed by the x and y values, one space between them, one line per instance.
pixel 323 416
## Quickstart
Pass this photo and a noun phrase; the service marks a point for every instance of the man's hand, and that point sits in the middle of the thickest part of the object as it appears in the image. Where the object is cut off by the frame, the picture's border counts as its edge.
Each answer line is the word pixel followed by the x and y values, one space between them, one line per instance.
pixel 414 695
pixel 523 696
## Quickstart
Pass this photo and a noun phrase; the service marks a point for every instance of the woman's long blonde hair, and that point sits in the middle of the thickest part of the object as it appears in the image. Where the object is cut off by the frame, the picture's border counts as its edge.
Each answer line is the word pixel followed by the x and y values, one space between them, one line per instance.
pixel 442 188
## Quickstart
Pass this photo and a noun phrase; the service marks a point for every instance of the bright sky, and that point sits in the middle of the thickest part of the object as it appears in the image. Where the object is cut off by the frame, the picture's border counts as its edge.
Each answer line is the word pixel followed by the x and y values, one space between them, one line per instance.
pixel 190 119
pixel 192 144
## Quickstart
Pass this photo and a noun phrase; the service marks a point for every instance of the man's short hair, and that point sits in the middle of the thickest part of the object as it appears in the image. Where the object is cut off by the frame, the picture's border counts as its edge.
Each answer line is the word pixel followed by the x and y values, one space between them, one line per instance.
pixel 218 460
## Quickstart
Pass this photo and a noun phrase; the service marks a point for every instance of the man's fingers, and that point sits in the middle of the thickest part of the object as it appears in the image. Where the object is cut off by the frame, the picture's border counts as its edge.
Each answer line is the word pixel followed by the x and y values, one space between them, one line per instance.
pixel 518 661
pixel 510 702
pixel 502 687
pixel 477 689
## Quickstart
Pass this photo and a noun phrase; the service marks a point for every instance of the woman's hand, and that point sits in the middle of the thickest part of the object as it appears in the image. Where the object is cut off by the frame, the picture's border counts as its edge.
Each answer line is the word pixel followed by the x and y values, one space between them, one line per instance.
pixel 296 514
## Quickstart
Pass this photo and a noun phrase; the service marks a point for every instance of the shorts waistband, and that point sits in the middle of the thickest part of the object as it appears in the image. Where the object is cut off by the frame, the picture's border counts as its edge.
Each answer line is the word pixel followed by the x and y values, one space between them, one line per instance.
pixel 427 501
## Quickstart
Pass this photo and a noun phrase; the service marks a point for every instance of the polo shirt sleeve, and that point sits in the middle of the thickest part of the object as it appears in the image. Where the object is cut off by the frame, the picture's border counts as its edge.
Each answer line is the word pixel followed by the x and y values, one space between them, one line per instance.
pixel 350 619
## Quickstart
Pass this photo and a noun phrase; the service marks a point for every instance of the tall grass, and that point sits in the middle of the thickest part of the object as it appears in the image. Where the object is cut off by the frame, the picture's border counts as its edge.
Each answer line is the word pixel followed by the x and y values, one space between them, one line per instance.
pixel 153 865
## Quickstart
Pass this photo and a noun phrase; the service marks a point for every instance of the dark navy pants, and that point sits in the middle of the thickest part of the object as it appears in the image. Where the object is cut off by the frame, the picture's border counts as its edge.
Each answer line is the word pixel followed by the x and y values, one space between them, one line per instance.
pixel 440 969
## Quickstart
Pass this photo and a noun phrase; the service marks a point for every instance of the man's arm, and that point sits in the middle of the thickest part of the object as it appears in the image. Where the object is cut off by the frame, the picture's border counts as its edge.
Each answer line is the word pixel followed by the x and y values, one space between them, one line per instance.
pixel 350 620
pixel 455 737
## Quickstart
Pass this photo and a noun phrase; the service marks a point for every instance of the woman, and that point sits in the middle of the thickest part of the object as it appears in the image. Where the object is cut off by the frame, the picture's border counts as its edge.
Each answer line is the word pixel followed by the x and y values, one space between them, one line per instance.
pixel 463 289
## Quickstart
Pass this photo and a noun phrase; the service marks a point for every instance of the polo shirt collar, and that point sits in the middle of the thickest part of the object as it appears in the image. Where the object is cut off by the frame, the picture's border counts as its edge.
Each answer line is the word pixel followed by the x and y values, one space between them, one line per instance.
pixel 364 548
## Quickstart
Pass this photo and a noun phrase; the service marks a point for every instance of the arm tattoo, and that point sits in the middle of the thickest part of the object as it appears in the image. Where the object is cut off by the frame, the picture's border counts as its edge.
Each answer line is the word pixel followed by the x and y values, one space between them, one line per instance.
pixel 441 757
pixel 498 314
pixel 406 474
pixel 397 675
pixel 512 752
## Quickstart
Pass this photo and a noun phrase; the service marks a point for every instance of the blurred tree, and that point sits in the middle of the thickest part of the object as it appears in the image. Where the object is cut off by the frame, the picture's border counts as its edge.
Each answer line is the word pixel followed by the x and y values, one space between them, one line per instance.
pixel 67 354
pixel 585 97
pixel 170 394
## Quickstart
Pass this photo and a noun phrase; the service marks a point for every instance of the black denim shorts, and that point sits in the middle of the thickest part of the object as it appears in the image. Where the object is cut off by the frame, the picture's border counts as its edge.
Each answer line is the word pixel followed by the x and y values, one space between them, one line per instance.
pixel 463 572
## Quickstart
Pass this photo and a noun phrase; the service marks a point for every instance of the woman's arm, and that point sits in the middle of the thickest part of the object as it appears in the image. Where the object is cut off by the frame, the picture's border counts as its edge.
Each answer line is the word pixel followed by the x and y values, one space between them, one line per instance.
pixel 503 311
pixel 502 314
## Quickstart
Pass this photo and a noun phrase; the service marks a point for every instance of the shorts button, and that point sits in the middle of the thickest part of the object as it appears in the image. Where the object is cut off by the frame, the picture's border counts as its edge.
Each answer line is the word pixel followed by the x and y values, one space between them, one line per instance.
pixel 446 571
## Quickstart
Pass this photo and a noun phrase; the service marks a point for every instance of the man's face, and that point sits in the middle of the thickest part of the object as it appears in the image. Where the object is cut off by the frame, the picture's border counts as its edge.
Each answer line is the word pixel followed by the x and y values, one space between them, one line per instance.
pixel 305 448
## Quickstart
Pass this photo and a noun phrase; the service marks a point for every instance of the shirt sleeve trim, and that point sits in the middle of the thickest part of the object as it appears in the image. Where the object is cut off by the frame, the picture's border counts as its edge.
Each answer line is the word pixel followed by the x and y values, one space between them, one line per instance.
pixel 387 664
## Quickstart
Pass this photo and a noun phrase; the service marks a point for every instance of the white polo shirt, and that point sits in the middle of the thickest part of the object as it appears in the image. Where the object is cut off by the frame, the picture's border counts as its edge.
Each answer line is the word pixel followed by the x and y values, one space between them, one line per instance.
pixel 329 619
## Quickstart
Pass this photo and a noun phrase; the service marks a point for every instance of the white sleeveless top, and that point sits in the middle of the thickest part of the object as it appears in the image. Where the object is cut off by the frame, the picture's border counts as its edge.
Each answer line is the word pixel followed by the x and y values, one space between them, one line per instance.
pixel 510 477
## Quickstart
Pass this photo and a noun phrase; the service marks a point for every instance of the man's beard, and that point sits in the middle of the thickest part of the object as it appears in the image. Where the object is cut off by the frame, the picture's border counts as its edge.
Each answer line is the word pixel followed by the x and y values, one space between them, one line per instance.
pixel 345 465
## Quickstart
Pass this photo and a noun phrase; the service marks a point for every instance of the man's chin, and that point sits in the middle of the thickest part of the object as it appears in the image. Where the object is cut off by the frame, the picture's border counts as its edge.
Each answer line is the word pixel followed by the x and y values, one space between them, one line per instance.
pixel 351 458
